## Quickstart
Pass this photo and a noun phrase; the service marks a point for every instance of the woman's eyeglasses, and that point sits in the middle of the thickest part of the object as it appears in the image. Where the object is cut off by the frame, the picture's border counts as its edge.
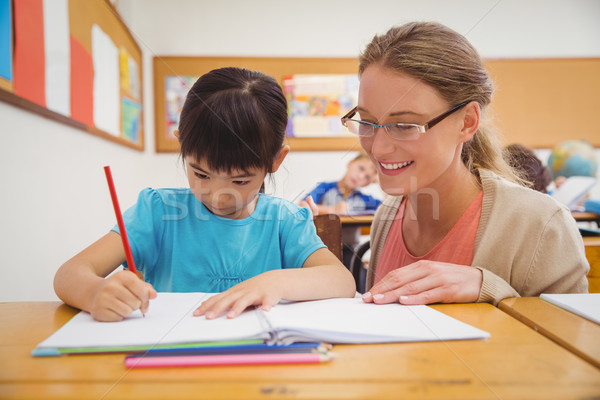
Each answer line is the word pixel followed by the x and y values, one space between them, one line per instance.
pixel 399 131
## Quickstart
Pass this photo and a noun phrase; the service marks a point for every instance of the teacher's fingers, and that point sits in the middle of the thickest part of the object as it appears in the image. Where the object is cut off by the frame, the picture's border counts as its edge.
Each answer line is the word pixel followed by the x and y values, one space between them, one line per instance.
pixel 413 292
pixel 435 295
pixel 399 278
pixel 410 296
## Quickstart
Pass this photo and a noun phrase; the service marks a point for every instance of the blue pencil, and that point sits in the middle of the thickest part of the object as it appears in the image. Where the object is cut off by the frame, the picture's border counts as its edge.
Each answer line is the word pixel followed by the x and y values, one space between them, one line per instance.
pixel 241 349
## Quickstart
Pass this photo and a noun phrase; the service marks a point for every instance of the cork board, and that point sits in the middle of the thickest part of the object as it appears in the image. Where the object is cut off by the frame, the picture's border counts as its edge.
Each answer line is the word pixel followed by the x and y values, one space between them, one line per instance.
pixel 56 68
pixel 538 102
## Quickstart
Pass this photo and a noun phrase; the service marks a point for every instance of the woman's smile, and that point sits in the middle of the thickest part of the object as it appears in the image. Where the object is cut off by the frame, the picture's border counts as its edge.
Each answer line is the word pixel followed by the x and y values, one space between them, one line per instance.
pixel 394 168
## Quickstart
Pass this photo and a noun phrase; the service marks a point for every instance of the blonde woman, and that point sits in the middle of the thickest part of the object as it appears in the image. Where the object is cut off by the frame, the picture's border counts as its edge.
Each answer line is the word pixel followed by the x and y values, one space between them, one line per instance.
pixel 458 226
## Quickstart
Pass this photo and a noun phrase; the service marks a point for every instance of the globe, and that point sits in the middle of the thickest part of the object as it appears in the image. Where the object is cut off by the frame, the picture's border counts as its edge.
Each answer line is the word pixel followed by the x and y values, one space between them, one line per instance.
pixel 573 158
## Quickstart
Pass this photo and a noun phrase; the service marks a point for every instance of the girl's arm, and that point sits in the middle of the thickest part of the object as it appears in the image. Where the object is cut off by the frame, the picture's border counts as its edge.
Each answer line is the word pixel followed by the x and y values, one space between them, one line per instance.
pixel 322 276
pixel 81 283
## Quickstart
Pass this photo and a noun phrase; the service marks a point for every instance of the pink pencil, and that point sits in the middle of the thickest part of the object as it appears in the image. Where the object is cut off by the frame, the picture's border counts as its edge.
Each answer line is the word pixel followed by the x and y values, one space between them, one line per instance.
pixel 228 359
pixel 115 201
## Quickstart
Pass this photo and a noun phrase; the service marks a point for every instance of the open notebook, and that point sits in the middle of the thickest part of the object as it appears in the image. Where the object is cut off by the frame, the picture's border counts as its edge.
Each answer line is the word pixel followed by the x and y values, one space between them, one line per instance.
pixel 169 321
pixel 573 190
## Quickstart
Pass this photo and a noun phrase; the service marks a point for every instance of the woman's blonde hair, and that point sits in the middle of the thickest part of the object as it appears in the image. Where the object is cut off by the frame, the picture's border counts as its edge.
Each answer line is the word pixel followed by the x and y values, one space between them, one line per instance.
pixel 446 61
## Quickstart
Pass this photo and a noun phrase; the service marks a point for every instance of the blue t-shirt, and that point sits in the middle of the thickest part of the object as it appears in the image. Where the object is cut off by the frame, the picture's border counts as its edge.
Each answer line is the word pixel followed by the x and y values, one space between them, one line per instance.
pixel 328 194
pixel 180 246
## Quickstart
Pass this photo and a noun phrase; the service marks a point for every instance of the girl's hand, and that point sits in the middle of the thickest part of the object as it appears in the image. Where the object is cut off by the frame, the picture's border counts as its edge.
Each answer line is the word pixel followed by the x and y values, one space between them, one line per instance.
pixel 265 290
pixel 426 282
pixel 120 295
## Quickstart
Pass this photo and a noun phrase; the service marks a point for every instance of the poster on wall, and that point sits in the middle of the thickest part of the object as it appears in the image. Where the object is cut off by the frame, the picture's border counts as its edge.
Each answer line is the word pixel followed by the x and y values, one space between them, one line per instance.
pixel 6 41
pixel 74 62
pixel 176 89
pixel 57 56
pixel 317 102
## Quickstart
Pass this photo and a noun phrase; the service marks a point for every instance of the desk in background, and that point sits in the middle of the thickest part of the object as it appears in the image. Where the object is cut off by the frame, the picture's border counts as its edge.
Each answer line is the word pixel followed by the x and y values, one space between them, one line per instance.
pixel 577 334
pixel 514 363
pixel 362 221
pixel 592 253
pixel 587 217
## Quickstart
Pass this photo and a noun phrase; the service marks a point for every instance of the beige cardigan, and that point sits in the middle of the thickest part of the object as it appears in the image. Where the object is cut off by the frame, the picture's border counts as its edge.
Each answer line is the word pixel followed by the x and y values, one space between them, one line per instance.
pixel 526 244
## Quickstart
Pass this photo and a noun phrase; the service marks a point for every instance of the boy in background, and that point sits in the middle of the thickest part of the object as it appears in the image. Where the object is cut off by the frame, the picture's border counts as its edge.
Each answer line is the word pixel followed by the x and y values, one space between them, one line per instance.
pixel 345 198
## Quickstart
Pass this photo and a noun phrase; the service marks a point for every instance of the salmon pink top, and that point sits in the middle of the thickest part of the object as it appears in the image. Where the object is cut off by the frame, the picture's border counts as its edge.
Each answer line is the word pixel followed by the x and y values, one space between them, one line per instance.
pixel 456 247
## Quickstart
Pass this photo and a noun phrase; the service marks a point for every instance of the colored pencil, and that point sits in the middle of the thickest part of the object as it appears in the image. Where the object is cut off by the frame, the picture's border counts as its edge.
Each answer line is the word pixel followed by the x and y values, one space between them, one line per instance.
pixel 115 201
pixel 243 349
pixel 223 360
pixel 142 349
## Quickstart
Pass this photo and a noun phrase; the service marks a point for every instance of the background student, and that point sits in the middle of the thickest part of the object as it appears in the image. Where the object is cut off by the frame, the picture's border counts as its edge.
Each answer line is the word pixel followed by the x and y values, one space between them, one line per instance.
pixel 530 168
pixel 222 234
pixel 345 198
pixel 456 227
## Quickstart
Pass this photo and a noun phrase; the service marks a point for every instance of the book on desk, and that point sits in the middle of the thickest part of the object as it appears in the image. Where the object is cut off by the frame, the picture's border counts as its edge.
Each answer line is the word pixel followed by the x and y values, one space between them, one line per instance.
pixel 169 323
pixel 586 305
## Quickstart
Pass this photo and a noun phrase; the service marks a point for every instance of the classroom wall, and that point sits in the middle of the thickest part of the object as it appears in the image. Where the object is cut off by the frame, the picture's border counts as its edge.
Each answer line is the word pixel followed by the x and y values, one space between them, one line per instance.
pixel 54 195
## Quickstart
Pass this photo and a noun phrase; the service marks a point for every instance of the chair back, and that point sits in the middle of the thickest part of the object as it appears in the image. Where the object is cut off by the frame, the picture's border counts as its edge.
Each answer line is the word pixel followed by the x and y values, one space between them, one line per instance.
pixel 329 229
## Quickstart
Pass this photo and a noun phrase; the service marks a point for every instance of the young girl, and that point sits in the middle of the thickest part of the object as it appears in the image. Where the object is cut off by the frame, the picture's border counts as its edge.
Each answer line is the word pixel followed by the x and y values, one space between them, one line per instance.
pixel 222 234
pixel 456 227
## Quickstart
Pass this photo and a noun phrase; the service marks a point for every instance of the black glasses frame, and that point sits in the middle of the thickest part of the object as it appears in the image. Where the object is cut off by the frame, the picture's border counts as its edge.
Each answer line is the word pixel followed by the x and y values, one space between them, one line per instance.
pixel 421 128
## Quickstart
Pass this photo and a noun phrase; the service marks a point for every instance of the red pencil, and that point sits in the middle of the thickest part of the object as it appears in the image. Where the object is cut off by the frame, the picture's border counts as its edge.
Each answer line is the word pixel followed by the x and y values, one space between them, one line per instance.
pixel 115 201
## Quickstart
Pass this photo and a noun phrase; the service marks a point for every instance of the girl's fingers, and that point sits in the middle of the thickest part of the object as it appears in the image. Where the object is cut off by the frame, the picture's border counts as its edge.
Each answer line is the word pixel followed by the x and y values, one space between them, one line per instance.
pixel 268 302
pixel 106 315
pixel 217 305
pixel 233 305
pixel 239 306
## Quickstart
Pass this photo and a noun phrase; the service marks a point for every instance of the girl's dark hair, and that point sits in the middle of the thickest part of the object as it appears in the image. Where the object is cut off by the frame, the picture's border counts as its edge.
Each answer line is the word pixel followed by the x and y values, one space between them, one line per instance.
pixel 233 118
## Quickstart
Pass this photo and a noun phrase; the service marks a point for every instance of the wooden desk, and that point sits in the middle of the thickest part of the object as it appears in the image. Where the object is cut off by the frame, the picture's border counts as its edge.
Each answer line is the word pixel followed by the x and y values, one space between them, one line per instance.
pixel 576 334
pixel 586 217
pixel 592 253
pixel 362 221
pixel 514 363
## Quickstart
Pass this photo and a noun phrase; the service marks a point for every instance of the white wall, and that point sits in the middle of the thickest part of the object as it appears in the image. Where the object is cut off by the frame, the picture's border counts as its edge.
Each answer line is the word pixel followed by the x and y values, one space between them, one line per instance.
pixel 54 196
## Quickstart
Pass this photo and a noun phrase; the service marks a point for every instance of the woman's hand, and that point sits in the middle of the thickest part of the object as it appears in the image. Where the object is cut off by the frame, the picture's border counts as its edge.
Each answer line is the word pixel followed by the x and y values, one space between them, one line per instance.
pixel 265 290
pixel 426 282
pixel 119 295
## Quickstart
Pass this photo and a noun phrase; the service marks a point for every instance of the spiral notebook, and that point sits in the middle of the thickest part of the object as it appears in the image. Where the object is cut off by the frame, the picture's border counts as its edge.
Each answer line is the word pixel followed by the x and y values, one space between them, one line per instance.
pixel 169 322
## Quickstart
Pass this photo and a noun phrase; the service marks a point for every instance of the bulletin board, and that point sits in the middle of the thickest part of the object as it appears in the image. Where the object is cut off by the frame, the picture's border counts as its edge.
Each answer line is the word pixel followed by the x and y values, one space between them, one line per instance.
pixel 184 70
pixel 538 102
pixel 74 62
pixel 542 102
